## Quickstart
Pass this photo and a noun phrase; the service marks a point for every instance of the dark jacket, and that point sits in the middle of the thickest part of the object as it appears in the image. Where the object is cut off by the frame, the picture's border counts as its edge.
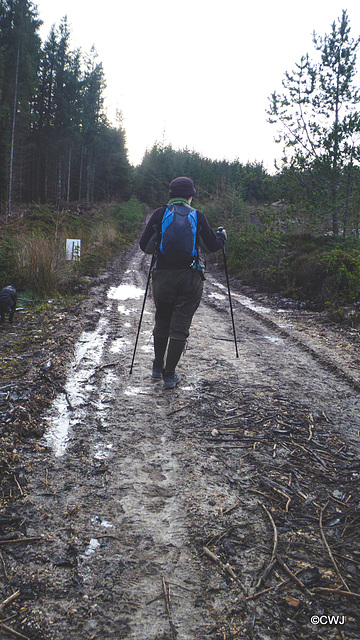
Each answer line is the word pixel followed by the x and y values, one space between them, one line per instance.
pixel 206 239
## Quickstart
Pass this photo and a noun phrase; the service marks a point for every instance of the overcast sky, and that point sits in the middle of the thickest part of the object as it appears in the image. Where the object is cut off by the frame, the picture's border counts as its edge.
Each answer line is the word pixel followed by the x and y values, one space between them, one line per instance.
pixel 197 74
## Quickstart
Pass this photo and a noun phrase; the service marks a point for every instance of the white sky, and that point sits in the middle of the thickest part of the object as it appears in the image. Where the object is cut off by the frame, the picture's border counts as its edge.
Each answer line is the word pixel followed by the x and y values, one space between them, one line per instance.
pixel 193 73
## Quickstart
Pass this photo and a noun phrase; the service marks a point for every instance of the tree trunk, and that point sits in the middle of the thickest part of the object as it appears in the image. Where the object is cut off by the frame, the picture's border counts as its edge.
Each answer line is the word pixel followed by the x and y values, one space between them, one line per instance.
pixel 69 177
pixel 59 189
pixel 11 168
pixel 348 190
pixel 81 172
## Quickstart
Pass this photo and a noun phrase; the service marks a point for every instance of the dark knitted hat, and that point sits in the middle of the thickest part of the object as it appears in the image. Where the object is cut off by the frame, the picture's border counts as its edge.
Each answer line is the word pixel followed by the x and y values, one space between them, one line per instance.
pixel 182 188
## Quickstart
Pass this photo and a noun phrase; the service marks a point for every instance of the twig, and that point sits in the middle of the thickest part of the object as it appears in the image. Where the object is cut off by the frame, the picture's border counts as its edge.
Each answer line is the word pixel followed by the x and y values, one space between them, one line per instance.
pixel 292 575
pixel 15 633
pixel 266 573
pixel 350 594
pixel 19 485
pixel 235 506
pixel 273 560
pixel 102 367
pixel 328 548
pixel 8 600
pixel 167 602
pixel 276 586
pixel 274 529
pixel 62 390
pixel 311 453
pixel 4 568
pixel 225 567
pixel 269 483
pixel 183 406
pixel 251 626
pixel 18 540
pixel 311 426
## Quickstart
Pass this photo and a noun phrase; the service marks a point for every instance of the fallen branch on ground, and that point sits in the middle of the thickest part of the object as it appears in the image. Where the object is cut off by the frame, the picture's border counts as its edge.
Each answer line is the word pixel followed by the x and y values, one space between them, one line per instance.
pixel 8 600
pixel 15 633
pixel 225 567
pixel 329 550
pixel 168 609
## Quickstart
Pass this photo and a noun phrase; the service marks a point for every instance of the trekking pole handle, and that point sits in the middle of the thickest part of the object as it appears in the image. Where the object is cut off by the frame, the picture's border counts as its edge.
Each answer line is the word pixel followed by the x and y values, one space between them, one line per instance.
pixel 223 232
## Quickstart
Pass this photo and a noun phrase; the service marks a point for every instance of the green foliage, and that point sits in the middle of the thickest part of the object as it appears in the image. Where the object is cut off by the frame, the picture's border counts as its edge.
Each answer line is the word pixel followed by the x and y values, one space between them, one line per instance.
pixel 318 121
pixel 342 269
pixel 212 178
pixel 128 217
pixel 33 252
pixel 7 260
pixel 316 269
pixel 41 264
pixel 268 249
pixel 64 149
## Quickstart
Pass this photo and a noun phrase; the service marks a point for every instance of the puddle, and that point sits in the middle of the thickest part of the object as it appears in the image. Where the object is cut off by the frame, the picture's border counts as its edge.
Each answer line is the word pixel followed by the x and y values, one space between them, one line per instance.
pixel 126 312
pixel 217 296
pixel 60 422
pixel 274 339
pixel 119 344
pixel 61 416
pixel 92 546
pixel 100 521
pixel 147 348
pixel 92 342
pixel 124 292
pixel 244 300
pixel 102 452
pixel 133 391
pixel 106 524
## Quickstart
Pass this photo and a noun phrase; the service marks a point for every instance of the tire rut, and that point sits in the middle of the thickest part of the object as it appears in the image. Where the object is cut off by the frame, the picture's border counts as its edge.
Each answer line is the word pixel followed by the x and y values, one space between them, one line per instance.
pixel 144 480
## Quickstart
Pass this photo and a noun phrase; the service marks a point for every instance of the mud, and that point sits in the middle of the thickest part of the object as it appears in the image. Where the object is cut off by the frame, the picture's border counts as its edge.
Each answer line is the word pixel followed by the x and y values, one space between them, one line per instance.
pixel 226 508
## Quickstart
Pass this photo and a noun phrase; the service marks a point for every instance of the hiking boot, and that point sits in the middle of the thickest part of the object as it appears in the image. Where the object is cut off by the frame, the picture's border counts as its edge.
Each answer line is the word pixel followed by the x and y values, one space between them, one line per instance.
pixel 171 380
pixel 157 371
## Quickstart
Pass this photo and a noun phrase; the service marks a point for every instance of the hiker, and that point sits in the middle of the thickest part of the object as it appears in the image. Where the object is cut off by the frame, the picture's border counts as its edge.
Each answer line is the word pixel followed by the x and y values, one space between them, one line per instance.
pixel 174 234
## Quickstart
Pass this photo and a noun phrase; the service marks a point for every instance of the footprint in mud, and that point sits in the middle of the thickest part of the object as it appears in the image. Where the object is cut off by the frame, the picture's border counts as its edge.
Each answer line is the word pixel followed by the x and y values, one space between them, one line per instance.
pixel 154 474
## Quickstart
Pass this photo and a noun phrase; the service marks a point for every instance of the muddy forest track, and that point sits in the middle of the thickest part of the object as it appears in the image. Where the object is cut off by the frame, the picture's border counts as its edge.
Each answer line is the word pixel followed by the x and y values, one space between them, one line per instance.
pixel 337 359
pixel 227 508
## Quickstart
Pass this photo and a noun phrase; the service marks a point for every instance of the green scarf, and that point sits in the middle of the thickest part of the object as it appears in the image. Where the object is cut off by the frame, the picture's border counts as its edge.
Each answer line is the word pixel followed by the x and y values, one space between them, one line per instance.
pixel 179 201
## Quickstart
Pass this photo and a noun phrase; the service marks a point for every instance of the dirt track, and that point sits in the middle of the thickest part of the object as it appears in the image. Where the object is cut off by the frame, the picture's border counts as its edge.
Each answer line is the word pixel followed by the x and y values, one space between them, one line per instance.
pixel 160 514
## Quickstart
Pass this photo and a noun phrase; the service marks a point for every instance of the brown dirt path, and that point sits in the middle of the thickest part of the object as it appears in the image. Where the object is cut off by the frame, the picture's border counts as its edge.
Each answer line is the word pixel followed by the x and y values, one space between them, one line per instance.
pixel 162 514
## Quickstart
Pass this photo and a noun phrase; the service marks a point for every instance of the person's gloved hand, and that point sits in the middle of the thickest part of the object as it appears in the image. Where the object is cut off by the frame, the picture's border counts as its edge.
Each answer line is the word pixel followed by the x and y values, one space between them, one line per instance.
pixel 222 231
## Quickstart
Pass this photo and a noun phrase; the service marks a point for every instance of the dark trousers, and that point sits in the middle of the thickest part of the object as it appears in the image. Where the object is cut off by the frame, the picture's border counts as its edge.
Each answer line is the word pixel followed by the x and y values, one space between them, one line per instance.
pixel 177 294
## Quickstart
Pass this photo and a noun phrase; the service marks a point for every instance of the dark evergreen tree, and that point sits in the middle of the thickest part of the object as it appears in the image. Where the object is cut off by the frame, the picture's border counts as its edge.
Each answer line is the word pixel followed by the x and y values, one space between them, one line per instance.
pixel 19 57
pixel 318 116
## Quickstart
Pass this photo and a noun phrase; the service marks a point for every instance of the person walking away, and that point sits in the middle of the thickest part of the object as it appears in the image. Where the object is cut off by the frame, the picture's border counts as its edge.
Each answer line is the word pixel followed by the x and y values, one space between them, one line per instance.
pixel 175 233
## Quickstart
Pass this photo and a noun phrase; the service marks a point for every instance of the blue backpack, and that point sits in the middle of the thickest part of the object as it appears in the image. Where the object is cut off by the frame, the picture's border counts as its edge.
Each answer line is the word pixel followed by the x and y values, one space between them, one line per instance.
pixel 178 235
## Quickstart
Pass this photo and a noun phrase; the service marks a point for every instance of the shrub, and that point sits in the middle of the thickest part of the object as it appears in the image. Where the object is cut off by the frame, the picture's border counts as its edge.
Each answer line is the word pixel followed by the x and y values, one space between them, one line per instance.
pixel 41 264
pixel 128 217
pixel 7 261
pixel 342 270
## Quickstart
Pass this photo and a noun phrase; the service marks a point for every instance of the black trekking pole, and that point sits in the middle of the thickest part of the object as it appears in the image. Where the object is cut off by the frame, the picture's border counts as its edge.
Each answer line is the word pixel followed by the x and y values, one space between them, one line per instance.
pixel 231 308
pixel 142 311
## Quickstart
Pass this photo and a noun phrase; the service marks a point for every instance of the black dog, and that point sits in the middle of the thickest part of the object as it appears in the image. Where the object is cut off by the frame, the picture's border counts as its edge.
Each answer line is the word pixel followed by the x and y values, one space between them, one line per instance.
pixel 8 299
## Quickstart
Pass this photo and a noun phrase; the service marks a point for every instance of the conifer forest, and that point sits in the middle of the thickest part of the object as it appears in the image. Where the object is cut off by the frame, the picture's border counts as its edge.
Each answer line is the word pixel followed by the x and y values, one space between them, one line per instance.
pixel 58 147
pixel 226 507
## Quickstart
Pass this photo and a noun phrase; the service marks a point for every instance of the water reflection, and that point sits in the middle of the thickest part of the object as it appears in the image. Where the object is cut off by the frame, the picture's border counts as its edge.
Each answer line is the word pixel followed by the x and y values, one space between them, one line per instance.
pixel 124 292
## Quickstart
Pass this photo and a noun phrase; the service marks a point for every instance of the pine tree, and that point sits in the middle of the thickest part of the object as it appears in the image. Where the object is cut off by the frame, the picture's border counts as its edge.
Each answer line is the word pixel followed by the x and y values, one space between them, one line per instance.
pixel 19 56
pixel 317 114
